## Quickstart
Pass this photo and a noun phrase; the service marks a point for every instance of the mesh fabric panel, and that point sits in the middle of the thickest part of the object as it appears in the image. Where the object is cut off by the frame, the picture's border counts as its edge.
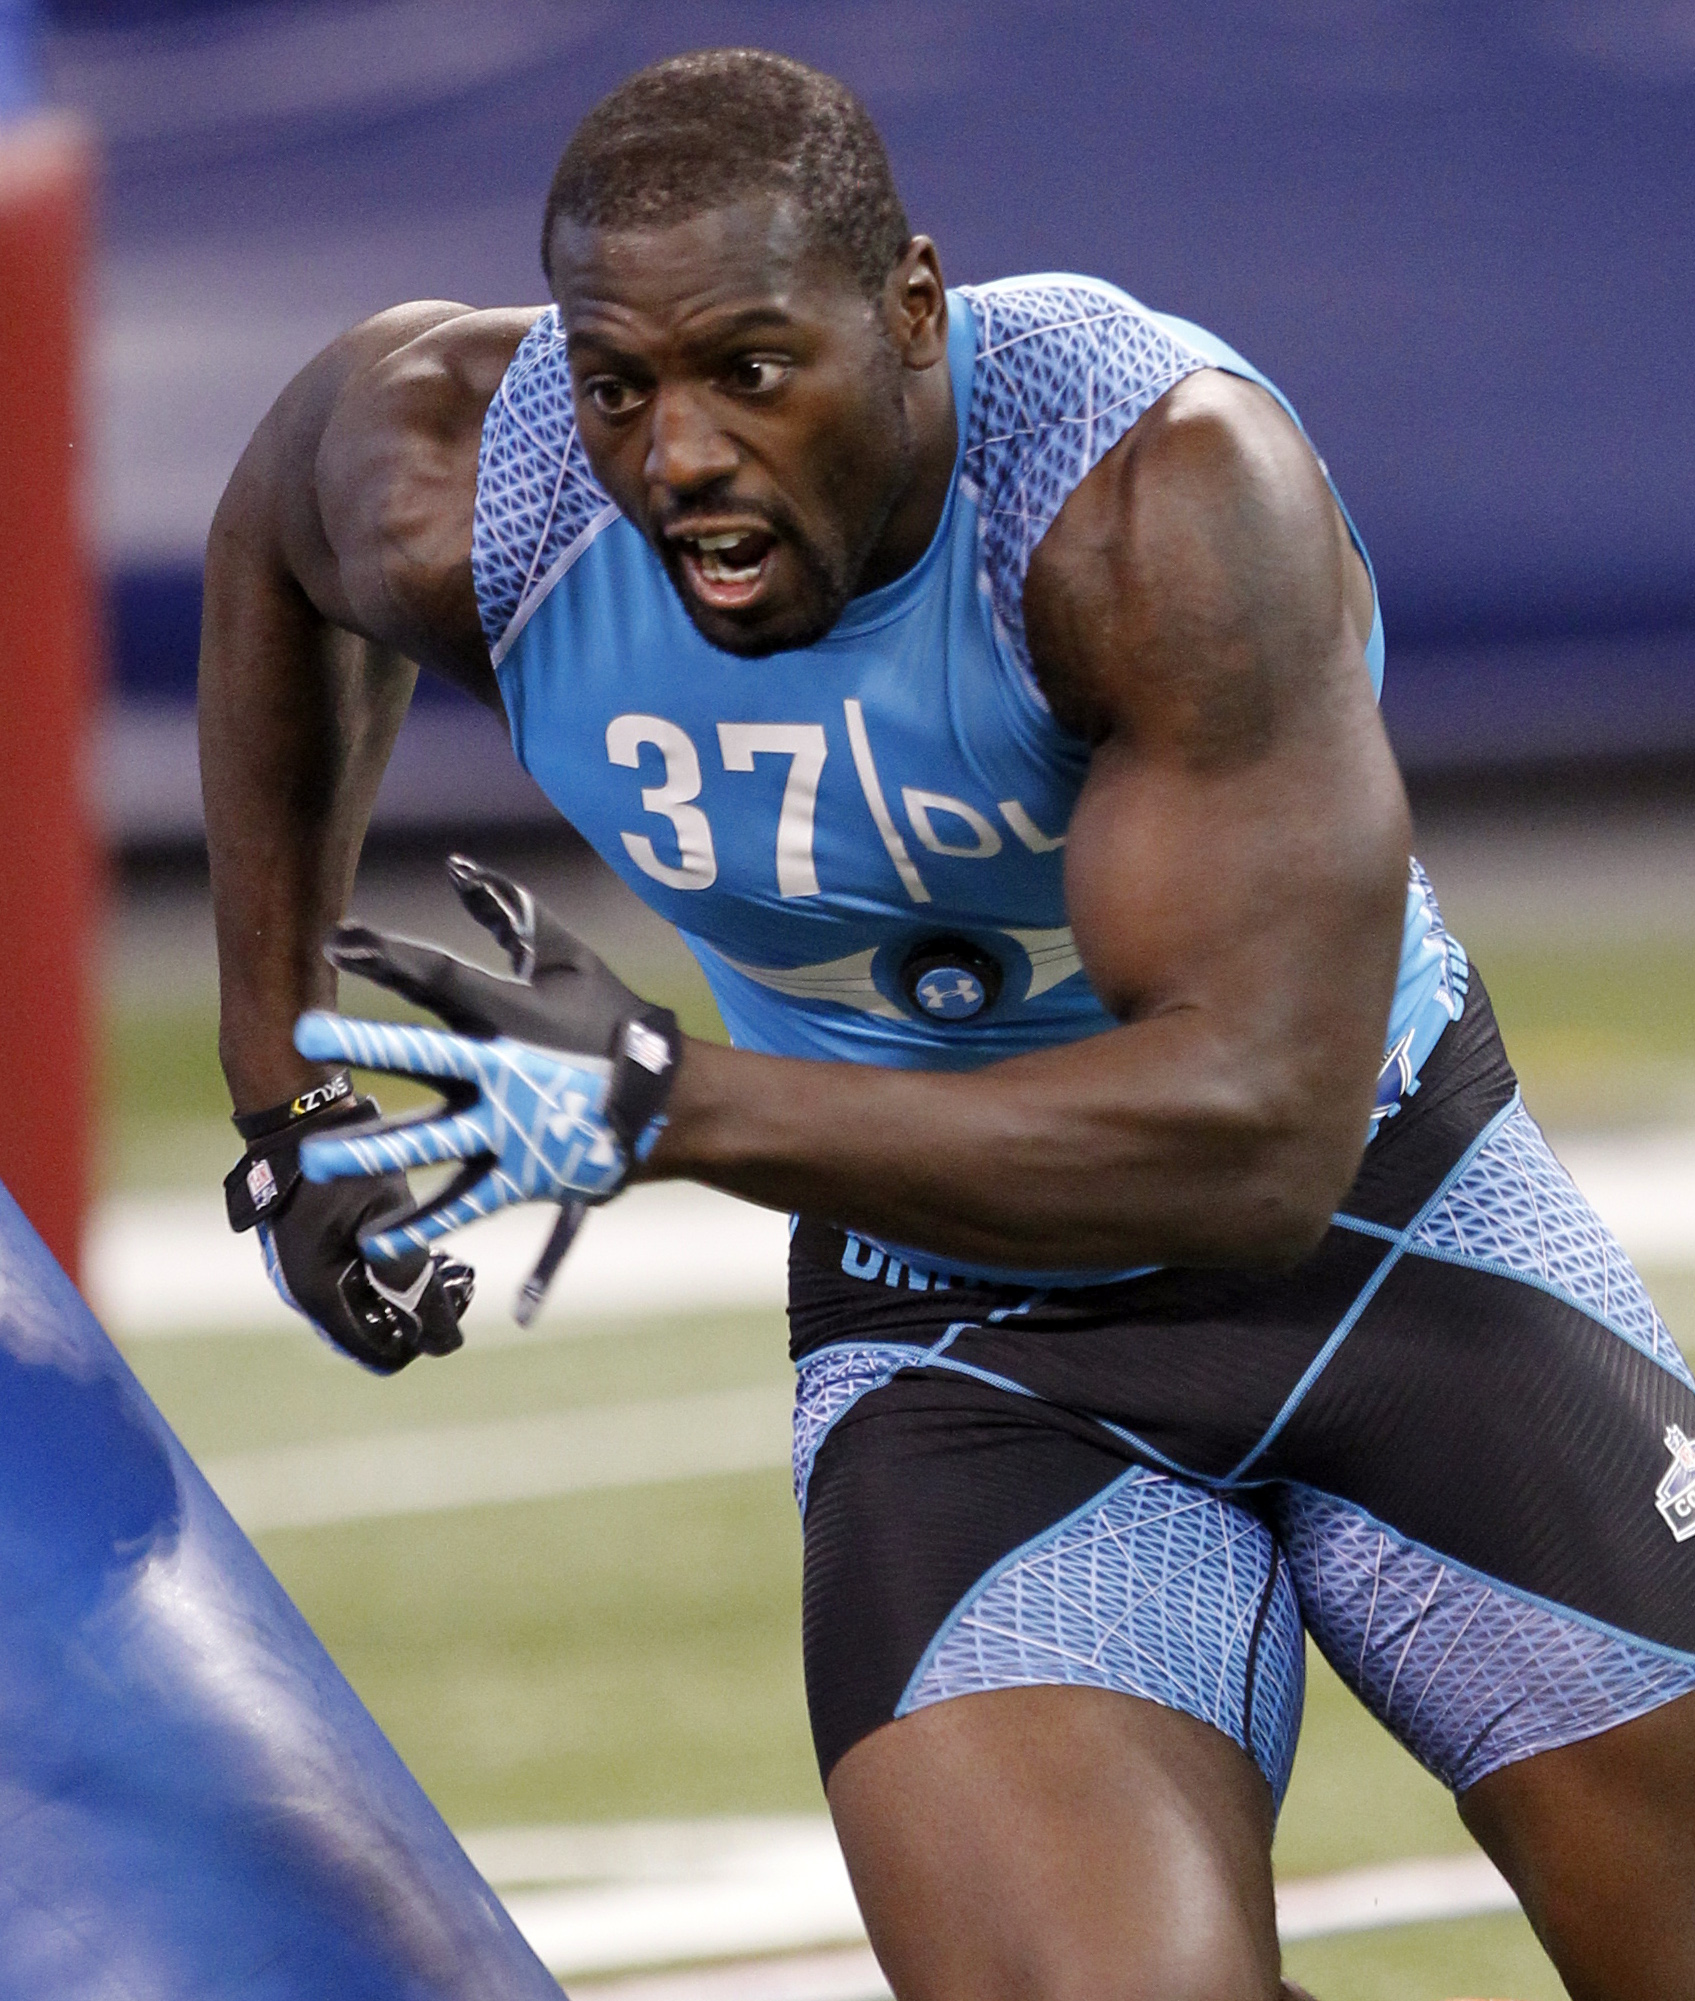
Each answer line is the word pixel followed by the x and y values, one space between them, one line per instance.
pixel 830 1383
pixel 1467 1674
pixel 1516 1209
pixel 536 497
pixel 1064 367
pixel 1154 1589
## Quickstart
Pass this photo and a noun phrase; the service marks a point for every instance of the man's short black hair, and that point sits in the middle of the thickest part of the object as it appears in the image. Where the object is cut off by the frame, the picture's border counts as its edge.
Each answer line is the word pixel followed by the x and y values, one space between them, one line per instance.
pixel 697 132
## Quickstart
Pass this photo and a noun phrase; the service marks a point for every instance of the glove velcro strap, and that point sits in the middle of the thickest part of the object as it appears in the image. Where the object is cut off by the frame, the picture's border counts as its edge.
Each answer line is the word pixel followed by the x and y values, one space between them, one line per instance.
pixel 644 1067
pixel 258 1187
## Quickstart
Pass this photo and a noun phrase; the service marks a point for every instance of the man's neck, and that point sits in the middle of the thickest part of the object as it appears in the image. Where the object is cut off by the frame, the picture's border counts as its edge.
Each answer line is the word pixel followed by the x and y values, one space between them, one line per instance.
pixel 911 526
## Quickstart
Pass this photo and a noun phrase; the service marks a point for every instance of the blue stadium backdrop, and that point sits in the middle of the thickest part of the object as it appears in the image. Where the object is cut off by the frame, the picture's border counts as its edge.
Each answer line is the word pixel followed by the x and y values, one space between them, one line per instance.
pixel 1450 233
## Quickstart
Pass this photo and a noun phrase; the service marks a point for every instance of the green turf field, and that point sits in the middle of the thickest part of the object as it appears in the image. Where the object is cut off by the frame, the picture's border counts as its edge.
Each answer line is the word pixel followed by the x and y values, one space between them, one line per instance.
pixel 611 1656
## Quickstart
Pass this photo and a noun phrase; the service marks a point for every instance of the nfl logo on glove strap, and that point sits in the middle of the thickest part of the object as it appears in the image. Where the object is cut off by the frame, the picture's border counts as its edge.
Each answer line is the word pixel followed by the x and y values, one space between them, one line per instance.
pixel 1675 1495
pixel 261 1184
pixel 950 979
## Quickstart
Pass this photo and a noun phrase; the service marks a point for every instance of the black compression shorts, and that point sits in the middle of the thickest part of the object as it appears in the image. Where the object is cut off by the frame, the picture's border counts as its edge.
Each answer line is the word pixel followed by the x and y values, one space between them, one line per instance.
pixel 1455 1443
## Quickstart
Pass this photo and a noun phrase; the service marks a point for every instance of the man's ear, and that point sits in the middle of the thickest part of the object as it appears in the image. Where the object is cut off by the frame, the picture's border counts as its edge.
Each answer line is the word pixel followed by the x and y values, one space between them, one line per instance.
pixel 916 303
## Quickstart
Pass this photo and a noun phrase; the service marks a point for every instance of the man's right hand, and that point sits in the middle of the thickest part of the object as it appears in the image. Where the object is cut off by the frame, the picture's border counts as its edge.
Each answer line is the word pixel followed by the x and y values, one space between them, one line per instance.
pixel 382 1314
pixel 554 1080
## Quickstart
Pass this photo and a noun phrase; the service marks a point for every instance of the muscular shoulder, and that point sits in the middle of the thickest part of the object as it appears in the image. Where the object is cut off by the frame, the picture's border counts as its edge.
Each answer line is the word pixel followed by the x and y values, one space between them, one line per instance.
pixel 1194 586
pixel 1065 366
pixel 395 475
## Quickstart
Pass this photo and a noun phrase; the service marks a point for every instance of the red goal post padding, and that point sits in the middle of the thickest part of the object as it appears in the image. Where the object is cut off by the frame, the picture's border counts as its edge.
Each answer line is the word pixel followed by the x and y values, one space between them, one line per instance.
pixel 47 640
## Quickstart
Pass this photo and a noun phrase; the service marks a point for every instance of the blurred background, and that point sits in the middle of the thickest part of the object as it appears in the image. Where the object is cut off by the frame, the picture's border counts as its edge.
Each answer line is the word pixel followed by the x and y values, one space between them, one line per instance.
pixel 1458 237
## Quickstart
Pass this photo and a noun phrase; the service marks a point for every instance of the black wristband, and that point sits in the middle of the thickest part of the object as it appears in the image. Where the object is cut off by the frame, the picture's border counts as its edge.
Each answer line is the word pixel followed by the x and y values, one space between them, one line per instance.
pixel 261 1125
pixel 259 1186
pixel 644 1067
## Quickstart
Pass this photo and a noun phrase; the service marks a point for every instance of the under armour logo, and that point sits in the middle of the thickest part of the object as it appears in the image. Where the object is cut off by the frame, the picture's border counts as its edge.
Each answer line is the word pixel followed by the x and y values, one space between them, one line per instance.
pixel 951 993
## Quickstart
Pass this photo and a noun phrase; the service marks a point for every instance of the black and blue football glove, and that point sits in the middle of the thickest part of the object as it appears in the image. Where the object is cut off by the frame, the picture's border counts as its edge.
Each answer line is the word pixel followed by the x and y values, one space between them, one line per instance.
pixel 382 1312
pixel 555 1080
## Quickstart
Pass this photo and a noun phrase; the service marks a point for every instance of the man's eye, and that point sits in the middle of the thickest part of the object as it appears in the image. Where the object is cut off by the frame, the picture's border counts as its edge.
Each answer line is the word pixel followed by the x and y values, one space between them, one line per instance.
pixel 757 374
pixel 611 397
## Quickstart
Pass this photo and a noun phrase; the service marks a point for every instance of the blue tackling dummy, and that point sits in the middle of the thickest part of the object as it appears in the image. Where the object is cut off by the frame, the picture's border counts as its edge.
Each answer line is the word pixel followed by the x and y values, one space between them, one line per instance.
pixel 193 1802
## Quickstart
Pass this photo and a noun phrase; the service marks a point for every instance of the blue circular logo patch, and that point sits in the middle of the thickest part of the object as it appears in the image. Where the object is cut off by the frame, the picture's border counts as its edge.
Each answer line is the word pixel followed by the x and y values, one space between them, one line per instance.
pixel 950 979
pixel 951 993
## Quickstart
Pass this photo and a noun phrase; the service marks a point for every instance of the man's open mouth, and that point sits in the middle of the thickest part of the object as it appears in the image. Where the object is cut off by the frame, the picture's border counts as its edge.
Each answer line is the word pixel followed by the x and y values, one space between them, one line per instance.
pixel 726 570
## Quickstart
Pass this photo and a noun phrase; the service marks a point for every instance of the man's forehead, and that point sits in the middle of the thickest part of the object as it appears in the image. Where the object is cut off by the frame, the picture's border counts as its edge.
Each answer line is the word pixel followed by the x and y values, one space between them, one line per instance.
pixel 743 257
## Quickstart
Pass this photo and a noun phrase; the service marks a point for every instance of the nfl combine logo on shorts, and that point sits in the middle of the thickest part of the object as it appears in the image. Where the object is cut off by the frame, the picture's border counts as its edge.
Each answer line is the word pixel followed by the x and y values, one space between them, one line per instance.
pixel 1675 1495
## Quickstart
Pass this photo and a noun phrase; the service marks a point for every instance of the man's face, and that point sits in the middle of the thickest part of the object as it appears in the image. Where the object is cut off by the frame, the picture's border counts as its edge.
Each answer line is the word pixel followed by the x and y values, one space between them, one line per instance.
pixel 742 402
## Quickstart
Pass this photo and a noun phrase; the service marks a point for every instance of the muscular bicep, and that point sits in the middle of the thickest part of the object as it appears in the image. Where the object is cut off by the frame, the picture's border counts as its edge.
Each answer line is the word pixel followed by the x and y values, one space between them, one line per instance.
pixel 1238 855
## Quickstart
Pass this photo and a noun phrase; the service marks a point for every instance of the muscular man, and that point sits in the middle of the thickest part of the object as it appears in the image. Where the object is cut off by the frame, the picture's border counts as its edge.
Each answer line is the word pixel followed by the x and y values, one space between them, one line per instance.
pixel 983 683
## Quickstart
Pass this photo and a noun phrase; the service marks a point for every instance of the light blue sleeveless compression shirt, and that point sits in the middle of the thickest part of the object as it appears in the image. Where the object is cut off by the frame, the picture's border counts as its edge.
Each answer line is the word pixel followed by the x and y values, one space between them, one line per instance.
pixel 861 841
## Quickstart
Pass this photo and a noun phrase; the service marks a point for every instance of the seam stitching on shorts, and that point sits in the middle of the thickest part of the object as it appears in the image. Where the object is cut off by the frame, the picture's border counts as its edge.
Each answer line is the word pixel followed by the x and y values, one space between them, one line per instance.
pixel 882 1382
pixel 981 1585
pixel 1212 1482
pixel 1250 1673
pixel 1495 1268
pixel 1342 1221
pixel 1367 1292
pixel 988 1376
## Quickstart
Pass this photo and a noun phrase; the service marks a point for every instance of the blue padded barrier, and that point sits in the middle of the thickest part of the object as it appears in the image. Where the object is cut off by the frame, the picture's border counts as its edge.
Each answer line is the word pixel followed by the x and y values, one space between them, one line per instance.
pixel 193 1802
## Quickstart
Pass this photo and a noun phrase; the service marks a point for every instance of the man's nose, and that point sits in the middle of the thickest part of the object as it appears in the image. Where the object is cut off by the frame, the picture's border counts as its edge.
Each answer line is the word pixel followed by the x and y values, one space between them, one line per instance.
pixel 686 449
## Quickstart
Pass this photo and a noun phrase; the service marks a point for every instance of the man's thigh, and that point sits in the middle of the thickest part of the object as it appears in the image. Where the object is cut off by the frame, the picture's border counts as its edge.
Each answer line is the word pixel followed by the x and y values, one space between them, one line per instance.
pixel 1594 1837
pixel 1049 1843
pixel 1483 1509
pixel 1491 1524
pixel 1054 1695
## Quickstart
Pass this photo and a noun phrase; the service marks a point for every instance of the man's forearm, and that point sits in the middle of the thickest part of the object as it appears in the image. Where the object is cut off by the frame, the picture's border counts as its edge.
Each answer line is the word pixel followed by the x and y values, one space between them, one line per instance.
pixel 296 724
pixel 1140 1146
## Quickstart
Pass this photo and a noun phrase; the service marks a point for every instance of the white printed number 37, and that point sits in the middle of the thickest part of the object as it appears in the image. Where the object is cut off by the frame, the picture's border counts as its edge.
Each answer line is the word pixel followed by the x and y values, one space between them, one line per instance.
pixel 804 745
pixel 738 744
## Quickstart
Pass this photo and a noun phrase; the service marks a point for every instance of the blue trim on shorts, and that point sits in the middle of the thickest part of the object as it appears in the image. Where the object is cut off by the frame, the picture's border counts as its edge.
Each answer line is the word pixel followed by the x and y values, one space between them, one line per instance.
pixel 1402 1243
pixel 998 1570
pixel 1496 1269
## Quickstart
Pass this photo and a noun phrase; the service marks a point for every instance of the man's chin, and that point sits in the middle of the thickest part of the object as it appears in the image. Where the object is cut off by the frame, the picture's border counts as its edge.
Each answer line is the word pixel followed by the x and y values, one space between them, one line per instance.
pixel 762 630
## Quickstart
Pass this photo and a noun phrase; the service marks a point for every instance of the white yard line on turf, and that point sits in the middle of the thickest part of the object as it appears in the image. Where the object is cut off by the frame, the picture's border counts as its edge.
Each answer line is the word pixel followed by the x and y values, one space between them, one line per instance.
pixel 600 1901
pixel 156 1268
pixel 851 1975
pixel 506 1459
pixel 1644 1186
pixel 1395 1893
pixel 841 1975
pixel 168 1265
